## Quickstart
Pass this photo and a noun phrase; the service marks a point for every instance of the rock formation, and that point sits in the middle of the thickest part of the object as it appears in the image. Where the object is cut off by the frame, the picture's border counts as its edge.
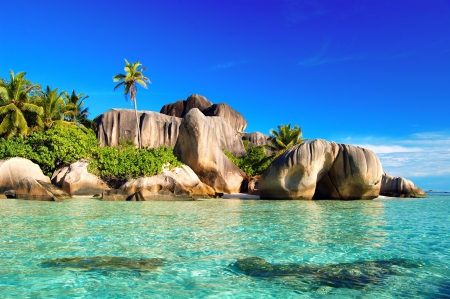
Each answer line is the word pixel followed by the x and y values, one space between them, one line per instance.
pixel 399 187
pixel 198 146
pixel 15 169
pixel 234 118
pixel 156 129
pixel 323 170
pixel 181 108
pixel 31 189
pixel 76 180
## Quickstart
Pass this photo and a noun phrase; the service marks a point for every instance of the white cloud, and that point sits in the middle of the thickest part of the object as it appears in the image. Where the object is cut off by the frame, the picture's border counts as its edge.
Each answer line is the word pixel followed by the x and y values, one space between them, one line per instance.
pixel 387 149
pixel 225 65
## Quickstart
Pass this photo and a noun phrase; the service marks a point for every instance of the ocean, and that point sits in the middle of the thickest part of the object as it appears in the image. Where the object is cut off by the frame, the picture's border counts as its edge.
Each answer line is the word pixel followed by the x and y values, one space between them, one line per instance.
pixel 226 248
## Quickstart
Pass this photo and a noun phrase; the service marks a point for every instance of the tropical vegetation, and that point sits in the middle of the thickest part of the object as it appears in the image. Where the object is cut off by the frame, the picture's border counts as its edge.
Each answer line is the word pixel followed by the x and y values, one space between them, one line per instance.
pixel 133 74
pixel 254 163
pixel 285 138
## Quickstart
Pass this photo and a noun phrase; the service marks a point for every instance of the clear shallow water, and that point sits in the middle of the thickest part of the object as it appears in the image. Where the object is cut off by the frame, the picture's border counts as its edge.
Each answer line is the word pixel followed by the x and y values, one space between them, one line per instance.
pixel 86 248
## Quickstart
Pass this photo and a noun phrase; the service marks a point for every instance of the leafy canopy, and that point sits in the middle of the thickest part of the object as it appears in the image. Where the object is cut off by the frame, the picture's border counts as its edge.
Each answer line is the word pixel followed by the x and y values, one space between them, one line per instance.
pixel 285 138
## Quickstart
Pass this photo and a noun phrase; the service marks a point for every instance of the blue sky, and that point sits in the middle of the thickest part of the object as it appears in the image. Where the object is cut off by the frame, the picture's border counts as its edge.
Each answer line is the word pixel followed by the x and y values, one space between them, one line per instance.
pixel 371 73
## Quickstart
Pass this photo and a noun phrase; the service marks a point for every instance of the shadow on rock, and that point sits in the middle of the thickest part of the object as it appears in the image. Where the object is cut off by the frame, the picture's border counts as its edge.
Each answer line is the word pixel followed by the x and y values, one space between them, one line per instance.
pixel 105 263
pixel 343 275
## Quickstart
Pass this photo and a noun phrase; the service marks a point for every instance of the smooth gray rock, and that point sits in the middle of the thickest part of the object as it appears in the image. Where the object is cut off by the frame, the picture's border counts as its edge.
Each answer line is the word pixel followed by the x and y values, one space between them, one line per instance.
pixel 31 189
pixel 399 187
pixel 198 146
pixel 76 180
pixel 156 129
pixel 15 169
pixel 356 174
pixel 295 173
pixel 234 118
pixel 181 107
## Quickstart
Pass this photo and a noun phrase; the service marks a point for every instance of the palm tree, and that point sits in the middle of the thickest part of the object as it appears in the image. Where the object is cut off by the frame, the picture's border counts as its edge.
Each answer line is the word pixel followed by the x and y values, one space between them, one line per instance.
pixel 16 110
pixel 75 112
pixel 285 138
pixel 53 107
pixel 133 74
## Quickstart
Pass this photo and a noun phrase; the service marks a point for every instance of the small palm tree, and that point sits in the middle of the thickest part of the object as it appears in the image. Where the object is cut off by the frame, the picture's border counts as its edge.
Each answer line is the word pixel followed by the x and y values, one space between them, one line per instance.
pixel 16 110
pixel 285 138
pixel 75 112
pixel 53 107
pixel 133 74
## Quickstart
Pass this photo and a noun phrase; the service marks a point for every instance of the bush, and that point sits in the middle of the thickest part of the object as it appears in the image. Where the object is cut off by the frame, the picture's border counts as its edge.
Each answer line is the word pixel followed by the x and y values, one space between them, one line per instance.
pixel 50 149
pixel 121 163
pixel 254 163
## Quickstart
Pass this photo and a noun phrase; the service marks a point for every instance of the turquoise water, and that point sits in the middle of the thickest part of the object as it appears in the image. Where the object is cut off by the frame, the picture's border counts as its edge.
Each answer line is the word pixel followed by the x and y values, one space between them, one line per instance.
pixel 86 248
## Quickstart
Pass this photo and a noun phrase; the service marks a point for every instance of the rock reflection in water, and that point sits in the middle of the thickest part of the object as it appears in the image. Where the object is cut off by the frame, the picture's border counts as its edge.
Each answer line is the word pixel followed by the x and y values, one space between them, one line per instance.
pixel 105 263
pixel 342 275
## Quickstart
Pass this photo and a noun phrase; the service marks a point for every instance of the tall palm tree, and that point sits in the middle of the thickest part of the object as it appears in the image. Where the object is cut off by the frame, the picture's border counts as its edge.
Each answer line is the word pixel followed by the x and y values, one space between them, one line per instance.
pixel 133 74
pixel 285 138
pixel 75 112
pixel 16 110
pixel 53 107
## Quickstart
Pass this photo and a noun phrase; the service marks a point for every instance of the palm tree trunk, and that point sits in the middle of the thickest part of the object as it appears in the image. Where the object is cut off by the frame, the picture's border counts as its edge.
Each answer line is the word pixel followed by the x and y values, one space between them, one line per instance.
pixel 137 124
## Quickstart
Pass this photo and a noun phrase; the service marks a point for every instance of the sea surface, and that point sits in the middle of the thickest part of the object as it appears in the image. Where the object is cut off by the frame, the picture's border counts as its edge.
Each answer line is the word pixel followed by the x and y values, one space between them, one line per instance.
pixel 226 248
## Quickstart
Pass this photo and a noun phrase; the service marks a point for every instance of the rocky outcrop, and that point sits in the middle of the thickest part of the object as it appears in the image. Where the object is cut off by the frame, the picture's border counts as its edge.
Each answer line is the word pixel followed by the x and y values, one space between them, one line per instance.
pixel 356 174
pixel 156 129
pixel 323 170
pixel 31 189
pixel 15 169
pixel 399 187
pixel 198 146
pixel 234 118
pixel 294 174
pixel 181 108
pixel 180 183
pixel 76 180
pixel 256 138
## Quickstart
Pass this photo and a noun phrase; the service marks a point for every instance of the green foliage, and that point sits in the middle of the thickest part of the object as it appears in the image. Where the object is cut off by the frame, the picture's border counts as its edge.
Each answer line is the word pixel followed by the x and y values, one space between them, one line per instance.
pixel 285 138
pixel 50 149
pixel 254 163
pixel 127 162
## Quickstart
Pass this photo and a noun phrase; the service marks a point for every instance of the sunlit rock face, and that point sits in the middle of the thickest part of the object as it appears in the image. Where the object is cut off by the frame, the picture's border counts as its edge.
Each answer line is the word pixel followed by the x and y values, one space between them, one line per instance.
pixel 354 275
pixel 323 170
pixel 75 179
pixel 234 118
pixel 294 174
pixel 156 129
pixel 399 187
pixel 198 147
pixel 15 169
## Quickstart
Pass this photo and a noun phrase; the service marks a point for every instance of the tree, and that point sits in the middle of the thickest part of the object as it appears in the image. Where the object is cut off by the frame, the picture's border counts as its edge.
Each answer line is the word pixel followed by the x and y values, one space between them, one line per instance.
pixel 285 138
pixel 75 112
pixel 17 113
pixel 53 107
pixel 133 74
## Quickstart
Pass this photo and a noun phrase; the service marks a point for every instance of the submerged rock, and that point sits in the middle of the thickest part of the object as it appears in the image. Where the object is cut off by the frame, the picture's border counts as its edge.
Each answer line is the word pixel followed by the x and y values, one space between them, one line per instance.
pixel 109 263
pixel 342 275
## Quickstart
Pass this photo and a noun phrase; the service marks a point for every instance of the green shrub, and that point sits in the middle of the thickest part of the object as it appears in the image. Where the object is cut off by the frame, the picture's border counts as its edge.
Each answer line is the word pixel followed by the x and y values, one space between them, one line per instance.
pixel 254 163
pixel 124 162
pixel 50 149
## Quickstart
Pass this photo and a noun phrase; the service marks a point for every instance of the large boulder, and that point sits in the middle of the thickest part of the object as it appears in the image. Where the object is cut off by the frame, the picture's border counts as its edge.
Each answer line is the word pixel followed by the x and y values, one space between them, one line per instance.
pixel 31 189
pixel 156 129
pixel 258 139
pixel 323 170
pixel 295 173
pixel 181 108
pixel 76 180
pixel 399 187
pixel 234 118
pixel 199 147
pixel 356 174
pixel 15 169
pixel 181 183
